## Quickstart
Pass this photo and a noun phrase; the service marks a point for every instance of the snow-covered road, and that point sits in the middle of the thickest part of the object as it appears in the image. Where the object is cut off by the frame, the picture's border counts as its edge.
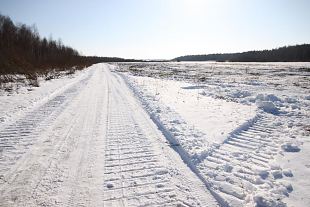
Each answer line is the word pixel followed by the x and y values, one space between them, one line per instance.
pixel 92 144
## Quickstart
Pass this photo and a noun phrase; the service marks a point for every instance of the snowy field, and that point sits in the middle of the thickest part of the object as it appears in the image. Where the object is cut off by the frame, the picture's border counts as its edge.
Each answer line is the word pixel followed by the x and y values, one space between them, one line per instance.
pixel 243 128
pixel 159 134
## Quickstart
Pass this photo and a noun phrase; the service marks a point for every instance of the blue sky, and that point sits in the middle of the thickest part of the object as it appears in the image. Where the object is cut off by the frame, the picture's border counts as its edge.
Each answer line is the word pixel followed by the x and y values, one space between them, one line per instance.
pixel 165 28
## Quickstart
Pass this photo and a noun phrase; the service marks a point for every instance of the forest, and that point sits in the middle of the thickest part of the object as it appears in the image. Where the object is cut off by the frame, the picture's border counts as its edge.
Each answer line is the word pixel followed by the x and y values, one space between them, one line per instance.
pixel 23 51
pixel 297 53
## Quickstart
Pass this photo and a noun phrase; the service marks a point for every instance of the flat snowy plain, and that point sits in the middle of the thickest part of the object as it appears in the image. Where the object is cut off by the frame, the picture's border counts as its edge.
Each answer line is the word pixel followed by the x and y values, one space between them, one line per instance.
pixel 159 134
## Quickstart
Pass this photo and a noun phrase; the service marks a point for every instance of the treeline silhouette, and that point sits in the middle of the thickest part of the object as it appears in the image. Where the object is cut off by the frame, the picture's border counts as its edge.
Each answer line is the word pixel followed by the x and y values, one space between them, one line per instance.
pixel 23 51
pixel 297 53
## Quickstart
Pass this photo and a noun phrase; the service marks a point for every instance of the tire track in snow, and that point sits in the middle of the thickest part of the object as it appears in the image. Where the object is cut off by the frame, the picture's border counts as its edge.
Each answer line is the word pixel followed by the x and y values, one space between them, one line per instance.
pixel 18 137
pixel 94 154
pixel 135 173
pixel 80 196
pixel 35 177
pixel 239 170
pixel 131 175
pixel 79 155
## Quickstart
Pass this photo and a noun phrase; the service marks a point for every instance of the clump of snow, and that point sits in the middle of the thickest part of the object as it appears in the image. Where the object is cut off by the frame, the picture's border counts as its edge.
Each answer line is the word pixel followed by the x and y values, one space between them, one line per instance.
pixel 231 190
pixel 272 98
pixel 290 100
pixel 267 106
pixel 267 103
pixel 241 94
pixel 275 166
pixel 268 97
pixel 266 201
pixel 161 172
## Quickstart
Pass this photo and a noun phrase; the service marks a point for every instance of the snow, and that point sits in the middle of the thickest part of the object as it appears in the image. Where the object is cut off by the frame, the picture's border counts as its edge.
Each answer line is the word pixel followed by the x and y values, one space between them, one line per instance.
pixel 297 171
pixel 267 106
pixel 236 125
pixel 16 102
pixel 159 134
pixel 86 141
pixel 187 110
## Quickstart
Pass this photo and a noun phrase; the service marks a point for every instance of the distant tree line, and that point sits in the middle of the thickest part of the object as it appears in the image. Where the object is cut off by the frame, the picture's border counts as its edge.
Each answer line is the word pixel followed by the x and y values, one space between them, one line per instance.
pixel 23 51
pixel 297 53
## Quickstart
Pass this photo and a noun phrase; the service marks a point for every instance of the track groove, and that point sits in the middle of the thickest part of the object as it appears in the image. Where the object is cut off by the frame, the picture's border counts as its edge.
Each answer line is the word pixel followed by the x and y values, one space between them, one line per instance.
pixel 233 169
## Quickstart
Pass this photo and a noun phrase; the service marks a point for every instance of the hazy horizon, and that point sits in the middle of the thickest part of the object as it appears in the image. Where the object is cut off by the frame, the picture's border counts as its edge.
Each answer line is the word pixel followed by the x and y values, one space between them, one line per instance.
pixel 165 29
